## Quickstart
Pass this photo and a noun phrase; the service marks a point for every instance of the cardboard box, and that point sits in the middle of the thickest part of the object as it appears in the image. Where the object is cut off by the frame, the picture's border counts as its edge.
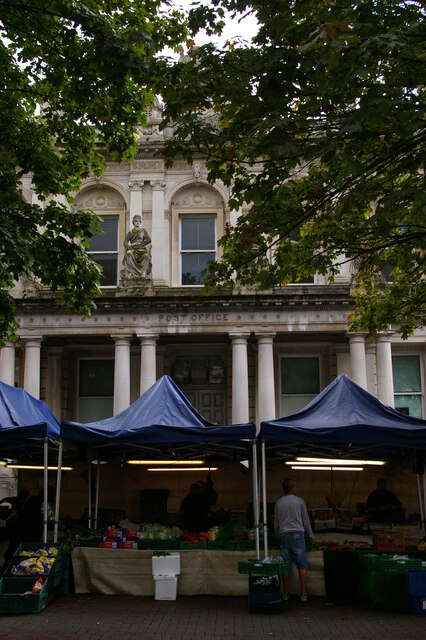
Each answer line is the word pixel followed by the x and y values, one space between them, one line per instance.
pixel 383 541
pixel 344 519
pixel 165 587
pixel 323 519
pixel 412 533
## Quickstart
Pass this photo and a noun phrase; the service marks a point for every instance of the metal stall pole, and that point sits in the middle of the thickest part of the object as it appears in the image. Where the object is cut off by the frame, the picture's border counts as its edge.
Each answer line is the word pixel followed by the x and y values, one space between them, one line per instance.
pixel 424 501
pixel 265 504
pixel 255 499
pixel 45 483
pixel 89 479
pixel 58 491
pixel 98 475
pixel 421 506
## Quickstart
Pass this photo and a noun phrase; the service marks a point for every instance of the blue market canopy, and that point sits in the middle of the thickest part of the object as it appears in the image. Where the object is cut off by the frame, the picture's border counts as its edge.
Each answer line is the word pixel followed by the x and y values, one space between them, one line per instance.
pixel 345 416
pixel 161 419
pixel 24 422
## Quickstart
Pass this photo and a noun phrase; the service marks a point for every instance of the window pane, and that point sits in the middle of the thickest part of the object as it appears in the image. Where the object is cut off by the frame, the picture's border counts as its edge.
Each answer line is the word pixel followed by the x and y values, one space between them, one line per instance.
pixel 409 405
pixel 92 409
pixel 406 374
pixel 109 268
pixel 293 404
pixel 106 241
pixel 96 378
pixel 192 266
pixel 198 234
pixel 300 375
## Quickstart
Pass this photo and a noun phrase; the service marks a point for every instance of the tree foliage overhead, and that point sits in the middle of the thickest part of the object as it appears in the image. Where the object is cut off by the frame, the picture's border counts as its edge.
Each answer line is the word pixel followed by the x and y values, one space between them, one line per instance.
pixel 75 78
pixel 318 123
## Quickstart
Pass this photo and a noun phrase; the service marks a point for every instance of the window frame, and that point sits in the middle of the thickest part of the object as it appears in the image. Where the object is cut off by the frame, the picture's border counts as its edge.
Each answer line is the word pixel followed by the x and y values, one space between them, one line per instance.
pixel 116 252
pixel 197 216
pixel 282 396
pixel 420 393
pixel 86 359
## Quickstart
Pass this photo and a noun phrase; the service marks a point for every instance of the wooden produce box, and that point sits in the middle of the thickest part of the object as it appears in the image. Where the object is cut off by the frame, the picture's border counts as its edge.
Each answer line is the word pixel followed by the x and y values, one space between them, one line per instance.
pixel 412 534
pixel 388 541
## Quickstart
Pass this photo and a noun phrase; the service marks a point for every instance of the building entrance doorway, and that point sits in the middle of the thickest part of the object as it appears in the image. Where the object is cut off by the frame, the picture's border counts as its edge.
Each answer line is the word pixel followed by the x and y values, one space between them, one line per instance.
pixel 203 381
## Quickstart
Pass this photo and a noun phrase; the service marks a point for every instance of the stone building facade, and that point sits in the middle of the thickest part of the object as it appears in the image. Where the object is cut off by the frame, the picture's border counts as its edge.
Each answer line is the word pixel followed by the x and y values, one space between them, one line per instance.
pixel 238 356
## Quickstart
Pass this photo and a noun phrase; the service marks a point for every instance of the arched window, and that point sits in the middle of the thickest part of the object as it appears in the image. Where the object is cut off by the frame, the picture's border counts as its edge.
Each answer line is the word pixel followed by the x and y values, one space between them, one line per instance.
pixel 106 247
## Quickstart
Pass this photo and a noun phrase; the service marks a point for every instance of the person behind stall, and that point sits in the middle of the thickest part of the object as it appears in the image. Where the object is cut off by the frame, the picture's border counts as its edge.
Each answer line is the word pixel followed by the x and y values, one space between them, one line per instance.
pixel 291 522
pixel 383 505
pixel 195 508
pixel 16 502
pixel 208 491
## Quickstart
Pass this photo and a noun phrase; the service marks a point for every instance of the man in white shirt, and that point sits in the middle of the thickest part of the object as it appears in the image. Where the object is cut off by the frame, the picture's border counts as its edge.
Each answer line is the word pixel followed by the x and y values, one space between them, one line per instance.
pixel 291 522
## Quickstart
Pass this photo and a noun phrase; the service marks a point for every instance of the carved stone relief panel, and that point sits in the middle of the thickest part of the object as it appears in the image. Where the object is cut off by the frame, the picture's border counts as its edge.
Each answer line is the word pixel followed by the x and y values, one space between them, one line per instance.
pixel 117 167
pixel 100 199
pixel 148 165
pixel 197 197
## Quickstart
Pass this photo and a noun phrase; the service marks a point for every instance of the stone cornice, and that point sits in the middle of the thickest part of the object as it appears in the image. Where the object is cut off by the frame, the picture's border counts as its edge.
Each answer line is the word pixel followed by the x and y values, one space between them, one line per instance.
pixel 292 299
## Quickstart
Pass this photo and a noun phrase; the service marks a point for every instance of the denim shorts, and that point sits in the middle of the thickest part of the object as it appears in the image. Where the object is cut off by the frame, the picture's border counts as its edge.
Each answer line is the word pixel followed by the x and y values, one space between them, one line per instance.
pixel 293 547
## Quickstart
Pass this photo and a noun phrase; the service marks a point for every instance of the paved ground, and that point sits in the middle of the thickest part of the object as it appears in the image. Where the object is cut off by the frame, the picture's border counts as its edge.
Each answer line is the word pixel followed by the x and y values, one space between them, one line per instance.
pixel 97 617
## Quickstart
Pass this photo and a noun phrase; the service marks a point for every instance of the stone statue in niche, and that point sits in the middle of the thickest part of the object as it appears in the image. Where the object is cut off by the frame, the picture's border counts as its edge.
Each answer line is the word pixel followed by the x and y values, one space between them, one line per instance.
pixel 137 261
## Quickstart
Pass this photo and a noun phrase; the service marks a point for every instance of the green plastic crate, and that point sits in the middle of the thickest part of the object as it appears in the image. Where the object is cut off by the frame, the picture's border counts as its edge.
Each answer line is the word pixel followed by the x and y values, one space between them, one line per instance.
pixel 197 544
pixel 13 600
pixel 34 546
pixel 369 560
pixel 54 577
pixel 245 545
pixel 400 565
pixel 259 568
pixel 224 545
pixel 384 590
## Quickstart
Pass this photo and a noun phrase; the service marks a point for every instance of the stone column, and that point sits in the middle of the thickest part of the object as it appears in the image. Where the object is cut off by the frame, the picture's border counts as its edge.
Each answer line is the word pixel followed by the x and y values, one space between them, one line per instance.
pixel 32 365
pixel 159 275
pixel 240 394
pixel 265 378
pixel 7 363
pixel 358 361
pixel 148 361
pixel 54 380
pixel 384 368
pixel 121 373
pixel 135 206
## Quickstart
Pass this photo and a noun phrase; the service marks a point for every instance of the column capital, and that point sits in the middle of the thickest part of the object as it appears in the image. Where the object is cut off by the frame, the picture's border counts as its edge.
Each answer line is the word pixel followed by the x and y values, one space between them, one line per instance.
pixel 147 337
pixel 384 336
pixel 30 341
pixel 265 338
pixel 241 336
pixel 136 185
pixel 124 337
pixel 8 343
pixel 357 336
pixel 158 185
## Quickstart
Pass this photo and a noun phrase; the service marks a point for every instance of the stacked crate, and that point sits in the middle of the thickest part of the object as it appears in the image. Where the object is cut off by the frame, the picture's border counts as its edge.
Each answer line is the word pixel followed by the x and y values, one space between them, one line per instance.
pixel 416 589
pixel 383 580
